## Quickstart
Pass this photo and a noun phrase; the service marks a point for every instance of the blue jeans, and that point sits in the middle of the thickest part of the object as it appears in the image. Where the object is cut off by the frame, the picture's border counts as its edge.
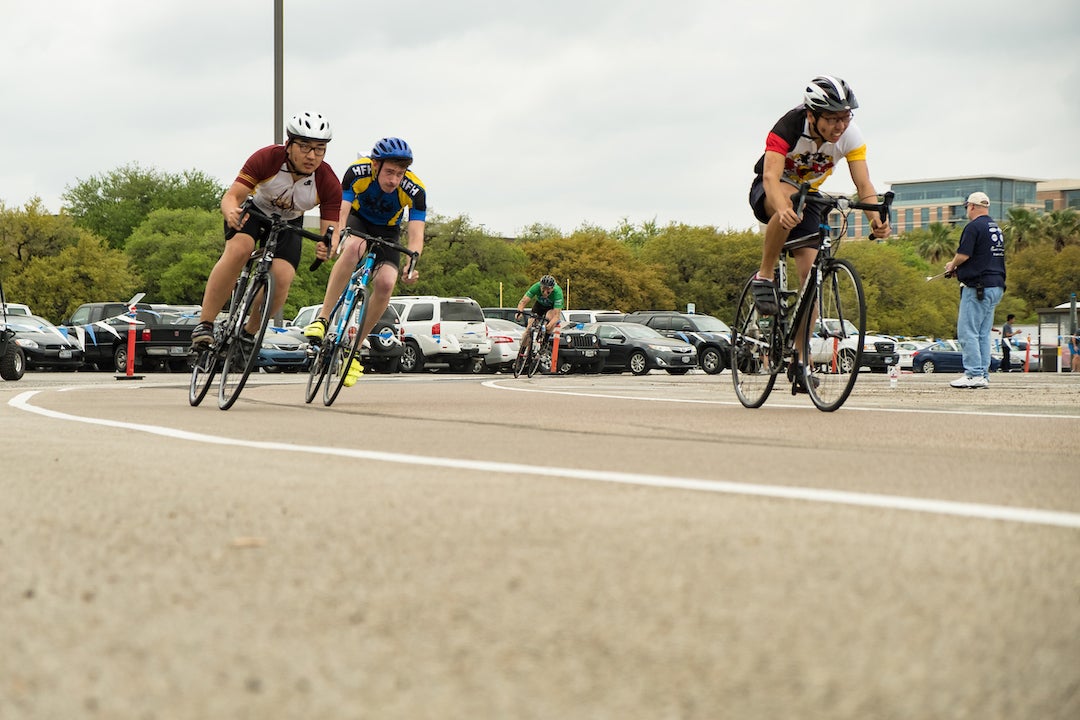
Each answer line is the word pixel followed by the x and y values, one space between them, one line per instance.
pixel 973 326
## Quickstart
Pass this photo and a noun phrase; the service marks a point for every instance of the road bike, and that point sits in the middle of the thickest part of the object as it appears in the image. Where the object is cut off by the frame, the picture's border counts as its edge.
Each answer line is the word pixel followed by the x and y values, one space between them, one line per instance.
pixel 341 343
pixel 233 352
pixel 537 343
pixel 825 319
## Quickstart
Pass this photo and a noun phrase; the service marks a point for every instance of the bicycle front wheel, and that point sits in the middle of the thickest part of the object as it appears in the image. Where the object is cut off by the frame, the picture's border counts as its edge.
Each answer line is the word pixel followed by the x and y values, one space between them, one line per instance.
pixel 243 353
pixel 204 367
pixel 323 361
pixel 835 336
pixel 344 355
pixel 522 360
pixel 536 354
pixel 756 351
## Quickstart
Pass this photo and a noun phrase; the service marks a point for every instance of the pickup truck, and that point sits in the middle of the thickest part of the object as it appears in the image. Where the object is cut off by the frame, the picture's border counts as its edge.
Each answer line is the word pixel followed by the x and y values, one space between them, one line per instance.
pixel 162 339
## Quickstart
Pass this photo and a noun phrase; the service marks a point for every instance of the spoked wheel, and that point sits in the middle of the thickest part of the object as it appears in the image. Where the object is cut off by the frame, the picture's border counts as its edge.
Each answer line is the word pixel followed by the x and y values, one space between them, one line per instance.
pixel 524 359
pixel 344 355
pixel 756 351
pixel 535 356
pixel 319 371
pixel 241 357
pixel 203 369
pixel 836 351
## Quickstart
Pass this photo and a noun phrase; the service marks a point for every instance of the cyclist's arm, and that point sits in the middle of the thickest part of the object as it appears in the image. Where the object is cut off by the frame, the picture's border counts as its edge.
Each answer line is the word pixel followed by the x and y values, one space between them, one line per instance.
pixel 343 221
pixel 777 192
pixel 860 175
pixel 415 233
pixel 231 201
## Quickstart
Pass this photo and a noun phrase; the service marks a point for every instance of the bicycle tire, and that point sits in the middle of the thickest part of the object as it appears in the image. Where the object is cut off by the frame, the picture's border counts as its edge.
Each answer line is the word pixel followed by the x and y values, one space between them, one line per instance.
pixel 237 368
pixel 321 363
pixel 756 351
pixel 535 355
pixel 522 360
pixel 835 358
pixel 203 370
pixel 342 358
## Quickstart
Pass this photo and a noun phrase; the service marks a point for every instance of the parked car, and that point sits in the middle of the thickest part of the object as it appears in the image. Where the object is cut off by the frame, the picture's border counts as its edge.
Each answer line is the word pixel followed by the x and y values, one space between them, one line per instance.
pixel 43 345
pixel 501 313
pixel 945 356
pixel 17 309
pixel 828 344
pixel 284 349
pixel 444 330
pixel 906 349
pixel 1019 354
pixel 584 317
pixel 385 343
pixel 505 340
pixel 579 350
pixel 711 336
pixel 639 349
pixel 12 360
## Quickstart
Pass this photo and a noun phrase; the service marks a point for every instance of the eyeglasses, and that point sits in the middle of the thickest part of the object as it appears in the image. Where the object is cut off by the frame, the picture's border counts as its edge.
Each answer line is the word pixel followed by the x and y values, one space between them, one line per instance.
pixel 306 148
pixel 837 119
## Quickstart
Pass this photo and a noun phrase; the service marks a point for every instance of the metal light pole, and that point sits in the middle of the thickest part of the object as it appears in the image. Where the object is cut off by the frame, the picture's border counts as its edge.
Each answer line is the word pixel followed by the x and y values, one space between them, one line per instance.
pixel 279 115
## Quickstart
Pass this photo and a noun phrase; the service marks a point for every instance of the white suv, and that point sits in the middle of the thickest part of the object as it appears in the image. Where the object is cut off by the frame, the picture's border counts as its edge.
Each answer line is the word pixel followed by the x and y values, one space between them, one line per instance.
pixel 442 330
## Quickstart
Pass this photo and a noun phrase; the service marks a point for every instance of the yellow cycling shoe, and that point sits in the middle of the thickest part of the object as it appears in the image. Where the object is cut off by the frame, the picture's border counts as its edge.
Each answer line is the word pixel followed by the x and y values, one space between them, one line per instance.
pixel 316 330
pixel 355 371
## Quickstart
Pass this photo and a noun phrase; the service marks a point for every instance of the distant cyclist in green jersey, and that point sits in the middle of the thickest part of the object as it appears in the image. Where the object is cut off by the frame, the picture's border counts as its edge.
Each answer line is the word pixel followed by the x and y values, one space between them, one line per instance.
pixel 547 300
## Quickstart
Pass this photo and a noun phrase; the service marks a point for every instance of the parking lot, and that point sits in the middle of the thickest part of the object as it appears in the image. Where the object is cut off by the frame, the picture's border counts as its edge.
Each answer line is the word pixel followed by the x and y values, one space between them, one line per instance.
pixel 439 545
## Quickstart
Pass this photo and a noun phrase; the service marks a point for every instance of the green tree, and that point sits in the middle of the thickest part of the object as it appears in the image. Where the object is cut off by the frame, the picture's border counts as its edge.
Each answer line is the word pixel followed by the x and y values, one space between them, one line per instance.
pixel 174 251
pixel 597 270
pixel 1043 276
pixel 31 232
pixel 1062 228
pixel 113 204
pixel 1021 228
pixel 936 243
pixel 87 271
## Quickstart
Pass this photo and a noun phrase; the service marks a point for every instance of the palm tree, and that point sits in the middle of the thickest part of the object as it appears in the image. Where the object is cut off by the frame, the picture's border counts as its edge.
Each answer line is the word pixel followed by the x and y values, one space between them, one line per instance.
pixel 1022 228
pixel 936 243
pixel 1063 227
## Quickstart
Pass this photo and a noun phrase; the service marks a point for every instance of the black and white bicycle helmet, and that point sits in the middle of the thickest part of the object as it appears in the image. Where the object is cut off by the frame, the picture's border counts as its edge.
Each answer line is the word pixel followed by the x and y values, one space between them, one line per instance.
pixel 826 93
pixel 547 281
pixel 309 126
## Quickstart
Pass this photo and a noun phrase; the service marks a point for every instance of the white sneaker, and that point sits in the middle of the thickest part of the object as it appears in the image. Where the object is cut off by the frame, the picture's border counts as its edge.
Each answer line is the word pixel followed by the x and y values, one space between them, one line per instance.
pixel 967 382
pixel 980 382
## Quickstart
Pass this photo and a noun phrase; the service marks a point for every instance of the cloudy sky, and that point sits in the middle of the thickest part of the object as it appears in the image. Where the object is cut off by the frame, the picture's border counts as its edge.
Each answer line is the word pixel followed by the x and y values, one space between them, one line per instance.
pixel 561 112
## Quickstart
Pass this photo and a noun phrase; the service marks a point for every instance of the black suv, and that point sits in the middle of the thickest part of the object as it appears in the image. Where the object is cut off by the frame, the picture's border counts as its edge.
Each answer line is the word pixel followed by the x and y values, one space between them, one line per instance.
pixel 711 336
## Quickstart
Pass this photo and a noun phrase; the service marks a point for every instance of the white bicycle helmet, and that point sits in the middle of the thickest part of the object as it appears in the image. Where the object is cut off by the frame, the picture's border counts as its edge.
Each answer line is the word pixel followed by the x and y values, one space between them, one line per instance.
pixel 826 93
pixel 308 126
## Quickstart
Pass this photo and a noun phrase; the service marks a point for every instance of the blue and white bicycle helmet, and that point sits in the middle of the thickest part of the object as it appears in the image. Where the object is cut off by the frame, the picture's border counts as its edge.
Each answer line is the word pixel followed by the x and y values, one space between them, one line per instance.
pixel 392 148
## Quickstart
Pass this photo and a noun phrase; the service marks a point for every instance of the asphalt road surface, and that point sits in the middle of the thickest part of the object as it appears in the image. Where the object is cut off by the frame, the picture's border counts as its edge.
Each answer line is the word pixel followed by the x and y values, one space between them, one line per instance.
pixel 441 546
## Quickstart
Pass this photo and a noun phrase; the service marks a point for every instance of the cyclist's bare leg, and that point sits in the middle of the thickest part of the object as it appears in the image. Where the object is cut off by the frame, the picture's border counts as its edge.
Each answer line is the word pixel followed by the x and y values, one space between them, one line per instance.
pixel 283 273
pixel 219 285
pixel 341 272
pixel 380 287
pixel 526 337
pixel 552 320
pixel 775 237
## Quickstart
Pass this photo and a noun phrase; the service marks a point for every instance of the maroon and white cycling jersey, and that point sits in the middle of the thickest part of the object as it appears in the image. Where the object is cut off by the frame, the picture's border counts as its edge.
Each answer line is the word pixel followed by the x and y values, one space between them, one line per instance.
pixel 275 191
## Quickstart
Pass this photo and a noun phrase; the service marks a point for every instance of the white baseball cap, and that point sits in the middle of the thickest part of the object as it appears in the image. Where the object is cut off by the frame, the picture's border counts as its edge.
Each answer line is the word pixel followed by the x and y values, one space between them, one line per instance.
pixel 978 198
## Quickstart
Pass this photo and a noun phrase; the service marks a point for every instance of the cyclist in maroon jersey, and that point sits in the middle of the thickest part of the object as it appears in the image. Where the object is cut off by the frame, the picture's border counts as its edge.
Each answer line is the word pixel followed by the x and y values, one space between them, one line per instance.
pixel 288 180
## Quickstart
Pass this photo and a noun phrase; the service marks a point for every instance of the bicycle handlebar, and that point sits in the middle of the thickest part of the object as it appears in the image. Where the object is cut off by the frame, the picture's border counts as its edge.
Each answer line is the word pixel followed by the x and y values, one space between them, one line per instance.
pixel 413 255
pixel 842 204
pixel 250 208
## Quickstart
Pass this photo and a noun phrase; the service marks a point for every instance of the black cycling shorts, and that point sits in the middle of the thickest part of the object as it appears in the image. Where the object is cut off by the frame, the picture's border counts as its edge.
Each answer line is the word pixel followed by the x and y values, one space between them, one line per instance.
pixel 288 247
pixel 811 219
pixel 383 254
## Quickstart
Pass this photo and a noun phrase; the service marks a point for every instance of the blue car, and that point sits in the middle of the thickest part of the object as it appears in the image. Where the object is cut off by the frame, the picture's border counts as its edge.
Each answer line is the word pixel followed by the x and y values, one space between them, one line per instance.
pixel 945 356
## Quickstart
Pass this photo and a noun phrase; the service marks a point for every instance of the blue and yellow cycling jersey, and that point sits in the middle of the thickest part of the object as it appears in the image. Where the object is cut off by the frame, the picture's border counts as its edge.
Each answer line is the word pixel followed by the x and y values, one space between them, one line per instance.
pixel 408 201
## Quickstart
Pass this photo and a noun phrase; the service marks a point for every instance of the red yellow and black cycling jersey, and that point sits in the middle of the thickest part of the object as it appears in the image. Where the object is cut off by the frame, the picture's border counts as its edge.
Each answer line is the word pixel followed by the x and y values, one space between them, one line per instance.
pixel 804 159
pixel 408 201
pixel 275 191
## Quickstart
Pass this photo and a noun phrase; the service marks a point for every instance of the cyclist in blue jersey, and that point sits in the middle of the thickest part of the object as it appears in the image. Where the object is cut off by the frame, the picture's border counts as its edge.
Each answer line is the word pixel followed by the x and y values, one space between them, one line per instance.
pixel 547 299
pixel 380 195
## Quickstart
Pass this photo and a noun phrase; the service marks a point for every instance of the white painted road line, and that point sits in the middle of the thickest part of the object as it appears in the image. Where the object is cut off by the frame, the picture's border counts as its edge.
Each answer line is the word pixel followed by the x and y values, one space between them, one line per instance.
pixel 887 502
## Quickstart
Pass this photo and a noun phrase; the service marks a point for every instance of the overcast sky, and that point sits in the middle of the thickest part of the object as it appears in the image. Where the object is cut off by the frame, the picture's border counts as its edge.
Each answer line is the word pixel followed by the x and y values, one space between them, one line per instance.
pixel 560 111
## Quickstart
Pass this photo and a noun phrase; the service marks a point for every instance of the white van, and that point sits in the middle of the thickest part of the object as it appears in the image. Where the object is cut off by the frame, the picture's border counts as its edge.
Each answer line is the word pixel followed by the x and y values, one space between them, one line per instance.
pixel 450 330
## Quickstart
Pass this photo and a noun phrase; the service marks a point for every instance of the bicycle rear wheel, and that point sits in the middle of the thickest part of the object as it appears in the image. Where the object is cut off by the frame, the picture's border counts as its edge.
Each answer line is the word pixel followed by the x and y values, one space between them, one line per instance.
pixel 240 361
pixel 343 355
pixel 836 349
pixel 756 351
pixel 203 369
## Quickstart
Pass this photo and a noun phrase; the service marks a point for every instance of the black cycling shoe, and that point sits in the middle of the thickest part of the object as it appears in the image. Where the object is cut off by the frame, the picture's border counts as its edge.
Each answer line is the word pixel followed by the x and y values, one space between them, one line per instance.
pixel 764 296
pixel 202 336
